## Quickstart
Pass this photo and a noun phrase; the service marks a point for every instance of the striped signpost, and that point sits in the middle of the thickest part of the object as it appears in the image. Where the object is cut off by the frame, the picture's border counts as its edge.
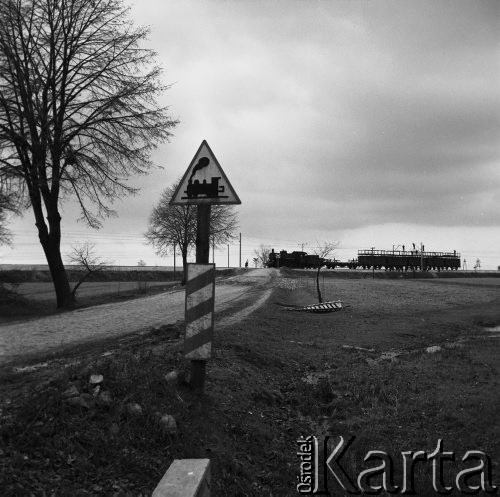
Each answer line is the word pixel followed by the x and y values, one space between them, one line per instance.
pixel 200 296
pixel 203 184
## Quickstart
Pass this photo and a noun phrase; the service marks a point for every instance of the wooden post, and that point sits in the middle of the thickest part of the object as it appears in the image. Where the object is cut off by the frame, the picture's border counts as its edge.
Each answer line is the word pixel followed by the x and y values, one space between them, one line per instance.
pixel 198 366
pixel 203 234
pixel 174 261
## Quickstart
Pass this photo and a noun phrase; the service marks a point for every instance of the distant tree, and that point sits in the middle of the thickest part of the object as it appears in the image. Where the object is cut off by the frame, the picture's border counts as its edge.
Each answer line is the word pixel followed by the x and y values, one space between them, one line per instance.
pixel 323 251
pixel 175 226
pixel 85 258
pixel 7 205
pixel 141 263
pixel 262 255
pixel 78 111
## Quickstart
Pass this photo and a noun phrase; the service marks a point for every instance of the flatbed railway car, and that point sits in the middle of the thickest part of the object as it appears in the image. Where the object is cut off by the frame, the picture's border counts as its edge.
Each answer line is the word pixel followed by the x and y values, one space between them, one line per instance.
pixel 392 260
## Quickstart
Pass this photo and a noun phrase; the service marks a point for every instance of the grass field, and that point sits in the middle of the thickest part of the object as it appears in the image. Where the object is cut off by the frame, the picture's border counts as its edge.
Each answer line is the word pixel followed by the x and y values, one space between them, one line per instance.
pixel 364 371
pixel 44 292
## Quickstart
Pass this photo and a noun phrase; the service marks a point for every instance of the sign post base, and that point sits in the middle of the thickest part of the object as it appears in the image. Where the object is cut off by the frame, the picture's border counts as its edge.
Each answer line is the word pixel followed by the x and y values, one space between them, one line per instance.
pixel 198 373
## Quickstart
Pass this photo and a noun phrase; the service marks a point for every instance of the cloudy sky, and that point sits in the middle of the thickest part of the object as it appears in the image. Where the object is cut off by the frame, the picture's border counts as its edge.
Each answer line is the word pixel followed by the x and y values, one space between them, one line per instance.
pixel 369 122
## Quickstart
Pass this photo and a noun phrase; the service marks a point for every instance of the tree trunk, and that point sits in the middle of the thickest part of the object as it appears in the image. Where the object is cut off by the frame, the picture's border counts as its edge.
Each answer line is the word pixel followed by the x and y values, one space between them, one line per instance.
pixel 51 244
pixel 59 276
pixel 184 267
pixel 320 298
pixel 75 288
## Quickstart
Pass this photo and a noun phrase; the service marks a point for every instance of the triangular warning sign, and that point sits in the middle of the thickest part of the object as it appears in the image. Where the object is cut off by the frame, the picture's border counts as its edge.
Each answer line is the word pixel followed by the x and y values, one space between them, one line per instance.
pixel 204 182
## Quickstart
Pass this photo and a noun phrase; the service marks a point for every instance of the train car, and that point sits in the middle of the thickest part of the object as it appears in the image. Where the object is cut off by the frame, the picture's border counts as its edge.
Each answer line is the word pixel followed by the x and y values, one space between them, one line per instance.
pixel 390 260
pixel 408 260
pixel 298 260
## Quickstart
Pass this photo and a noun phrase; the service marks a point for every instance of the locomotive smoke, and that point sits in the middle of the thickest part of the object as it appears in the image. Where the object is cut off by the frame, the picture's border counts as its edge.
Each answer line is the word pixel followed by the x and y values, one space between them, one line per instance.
pixel 203 162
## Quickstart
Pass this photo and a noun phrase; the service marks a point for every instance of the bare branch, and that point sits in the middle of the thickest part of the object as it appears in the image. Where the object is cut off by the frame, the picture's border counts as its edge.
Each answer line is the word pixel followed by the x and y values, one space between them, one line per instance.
pixel 78 111
pixel 85 258
pixel 262 254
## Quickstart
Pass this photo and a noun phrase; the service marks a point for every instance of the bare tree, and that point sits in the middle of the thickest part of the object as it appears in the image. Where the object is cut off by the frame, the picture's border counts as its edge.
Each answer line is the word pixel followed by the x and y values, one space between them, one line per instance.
pixel 78 111
pixel 7 205
pixel 323 251
pixel 85 258
pixel 174 226
pixel 262 254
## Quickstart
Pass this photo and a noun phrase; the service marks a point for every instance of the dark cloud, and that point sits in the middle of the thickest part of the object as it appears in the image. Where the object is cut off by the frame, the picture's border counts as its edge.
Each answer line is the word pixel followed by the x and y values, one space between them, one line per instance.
pixel 333 116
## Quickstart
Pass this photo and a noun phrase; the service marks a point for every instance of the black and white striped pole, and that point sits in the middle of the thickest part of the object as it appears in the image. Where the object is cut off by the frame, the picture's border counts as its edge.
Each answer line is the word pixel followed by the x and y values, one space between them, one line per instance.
pixel 200 301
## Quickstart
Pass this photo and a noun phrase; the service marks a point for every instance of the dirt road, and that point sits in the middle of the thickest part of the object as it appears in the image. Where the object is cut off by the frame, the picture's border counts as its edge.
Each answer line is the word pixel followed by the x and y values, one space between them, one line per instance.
pixel 244 293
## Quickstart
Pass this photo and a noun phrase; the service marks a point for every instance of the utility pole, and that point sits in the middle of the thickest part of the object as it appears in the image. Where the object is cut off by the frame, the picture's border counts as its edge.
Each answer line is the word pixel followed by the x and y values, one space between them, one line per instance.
pixel 302 246
pixel 213 251
pixel 228 255
pixel 174 261
pixel 373 263
pixel 421 256
pixel 240 249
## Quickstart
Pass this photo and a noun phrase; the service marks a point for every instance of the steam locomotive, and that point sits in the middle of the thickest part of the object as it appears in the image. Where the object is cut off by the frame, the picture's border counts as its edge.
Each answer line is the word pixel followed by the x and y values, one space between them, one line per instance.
pixel 390 260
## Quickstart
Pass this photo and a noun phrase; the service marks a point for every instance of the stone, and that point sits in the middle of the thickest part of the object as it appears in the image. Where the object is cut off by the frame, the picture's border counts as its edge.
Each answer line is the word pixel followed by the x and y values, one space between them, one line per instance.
pixel 95 379
pixel 104 399
pixel 168 424
pixel 96 391
pixel 134 409
pixel 72 391
pixel 172 377
pixel 433 349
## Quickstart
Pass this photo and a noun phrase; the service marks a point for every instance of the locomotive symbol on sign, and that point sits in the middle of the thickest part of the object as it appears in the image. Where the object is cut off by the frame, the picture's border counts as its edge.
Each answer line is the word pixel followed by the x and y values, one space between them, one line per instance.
pixel 195 189
pixel 204 182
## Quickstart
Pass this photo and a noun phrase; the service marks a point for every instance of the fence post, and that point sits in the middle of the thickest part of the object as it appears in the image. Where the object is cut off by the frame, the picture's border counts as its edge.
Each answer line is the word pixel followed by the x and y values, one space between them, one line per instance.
pixel 185 478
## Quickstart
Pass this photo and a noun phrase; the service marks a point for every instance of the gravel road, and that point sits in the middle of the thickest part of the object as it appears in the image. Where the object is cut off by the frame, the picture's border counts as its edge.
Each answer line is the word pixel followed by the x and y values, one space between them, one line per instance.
pixel 104 321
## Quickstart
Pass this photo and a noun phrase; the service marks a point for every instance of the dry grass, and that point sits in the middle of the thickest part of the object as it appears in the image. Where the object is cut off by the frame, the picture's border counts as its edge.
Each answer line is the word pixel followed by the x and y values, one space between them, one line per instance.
pixel 257 403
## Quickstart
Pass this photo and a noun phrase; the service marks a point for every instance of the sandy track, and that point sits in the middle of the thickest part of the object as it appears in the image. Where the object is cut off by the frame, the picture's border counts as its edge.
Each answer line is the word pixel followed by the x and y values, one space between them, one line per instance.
pixel 53 332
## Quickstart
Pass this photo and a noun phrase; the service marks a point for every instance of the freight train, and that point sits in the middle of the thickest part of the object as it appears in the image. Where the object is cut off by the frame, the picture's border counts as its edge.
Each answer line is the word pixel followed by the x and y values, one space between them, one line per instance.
pixel 390 260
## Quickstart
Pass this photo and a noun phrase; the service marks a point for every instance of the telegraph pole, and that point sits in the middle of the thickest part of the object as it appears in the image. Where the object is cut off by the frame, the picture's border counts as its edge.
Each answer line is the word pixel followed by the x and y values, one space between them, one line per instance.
pixel 373 263
pixel 174 261
pixel 240 249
